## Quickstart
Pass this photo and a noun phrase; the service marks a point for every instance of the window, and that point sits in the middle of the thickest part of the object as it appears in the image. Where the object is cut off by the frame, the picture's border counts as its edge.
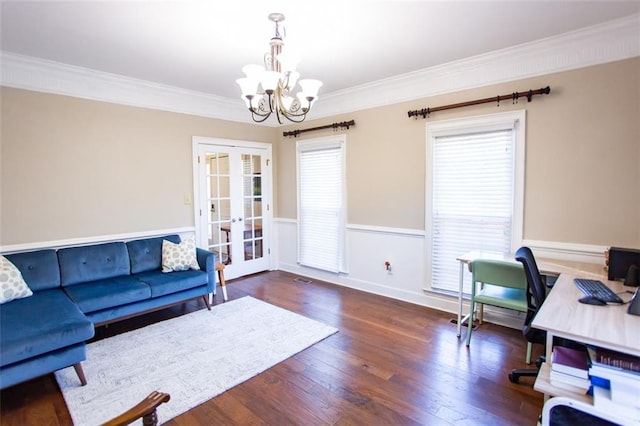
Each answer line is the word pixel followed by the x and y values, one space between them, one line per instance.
pixel 321 203
pixel 475 185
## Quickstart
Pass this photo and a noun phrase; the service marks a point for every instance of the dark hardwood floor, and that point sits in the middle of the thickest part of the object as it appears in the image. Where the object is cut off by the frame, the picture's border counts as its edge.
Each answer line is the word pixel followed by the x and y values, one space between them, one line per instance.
pixel 391 363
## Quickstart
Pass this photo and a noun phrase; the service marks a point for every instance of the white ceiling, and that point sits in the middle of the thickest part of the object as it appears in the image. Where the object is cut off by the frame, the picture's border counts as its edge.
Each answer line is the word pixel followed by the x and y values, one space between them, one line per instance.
pixel 202 45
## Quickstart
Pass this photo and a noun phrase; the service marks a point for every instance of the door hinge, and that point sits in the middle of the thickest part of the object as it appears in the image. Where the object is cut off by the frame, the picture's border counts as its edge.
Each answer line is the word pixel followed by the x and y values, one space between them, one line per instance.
pixel 268 162
pixel 268 251
pixel 200 212
pixel 267 207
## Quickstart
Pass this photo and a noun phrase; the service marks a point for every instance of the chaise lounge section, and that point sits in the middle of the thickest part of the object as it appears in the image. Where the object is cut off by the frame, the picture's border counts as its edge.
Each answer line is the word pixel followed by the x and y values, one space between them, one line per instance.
pixel 43 332
pixel 78 288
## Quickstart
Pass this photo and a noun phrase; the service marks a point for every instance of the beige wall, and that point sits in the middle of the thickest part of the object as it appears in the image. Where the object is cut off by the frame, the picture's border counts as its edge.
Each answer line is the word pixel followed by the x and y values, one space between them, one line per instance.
pixel 74 168
pixel 582 157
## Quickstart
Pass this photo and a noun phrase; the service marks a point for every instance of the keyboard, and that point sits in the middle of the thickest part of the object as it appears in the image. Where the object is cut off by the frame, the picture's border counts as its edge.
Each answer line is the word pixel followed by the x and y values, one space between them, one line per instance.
pixel 597 289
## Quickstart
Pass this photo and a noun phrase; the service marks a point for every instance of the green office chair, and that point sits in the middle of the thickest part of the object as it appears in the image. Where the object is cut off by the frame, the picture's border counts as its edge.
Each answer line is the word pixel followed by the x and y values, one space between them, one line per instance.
pixel 496 283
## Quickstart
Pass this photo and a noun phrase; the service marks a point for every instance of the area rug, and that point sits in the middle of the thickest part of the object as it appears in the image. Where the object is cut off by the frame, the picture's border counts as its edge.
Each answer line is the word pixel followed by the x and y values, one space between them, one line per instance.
pixel 193 358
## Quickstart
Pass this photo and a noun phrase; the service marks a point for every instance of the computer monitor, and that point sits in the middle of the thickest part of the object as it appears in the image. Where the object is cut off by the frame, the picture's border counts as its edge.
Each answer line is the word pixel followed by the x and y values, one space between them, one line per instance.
pixel 624 265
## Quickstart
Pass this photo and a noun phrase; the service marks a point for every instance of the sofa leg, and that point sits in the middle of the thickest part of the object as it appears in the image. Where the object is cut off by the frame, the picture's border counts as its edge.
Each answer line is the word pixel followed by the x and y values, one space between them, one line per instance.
pixel 80 373
pixel 206 301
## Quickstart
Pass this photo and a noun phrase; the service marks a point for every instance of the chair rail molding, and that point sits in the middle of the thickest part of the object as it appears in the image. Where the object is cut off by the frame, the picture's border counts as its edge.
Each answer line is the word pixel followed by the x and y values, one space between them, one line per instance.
pixel 184 232
pixel 567 251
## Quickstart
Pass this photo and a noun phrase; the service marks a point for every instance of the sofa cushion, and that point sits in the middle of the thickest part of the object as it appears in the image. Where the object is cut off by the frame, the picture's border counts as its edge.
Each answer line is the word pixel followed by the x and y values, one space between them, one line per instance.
pixel 162 284
pixel 12 285
pixel 91 263
pixel 39 268
pixel 103 294
pixel 46 321
pixel 146 255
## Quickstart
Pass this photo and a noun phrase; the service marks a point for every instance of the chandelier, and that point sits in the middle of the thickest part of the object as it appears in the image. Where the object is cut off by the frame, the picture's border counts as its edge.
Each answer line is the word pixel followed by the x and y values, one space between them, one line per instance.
pixel 269 89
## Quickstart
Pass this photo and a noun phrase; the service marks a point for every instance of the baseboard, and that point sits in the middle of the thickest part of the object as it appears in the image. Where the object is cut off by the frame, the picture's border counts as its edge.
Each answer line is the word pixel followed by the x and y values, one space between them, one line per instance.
pixel 438 301
pixel 72 242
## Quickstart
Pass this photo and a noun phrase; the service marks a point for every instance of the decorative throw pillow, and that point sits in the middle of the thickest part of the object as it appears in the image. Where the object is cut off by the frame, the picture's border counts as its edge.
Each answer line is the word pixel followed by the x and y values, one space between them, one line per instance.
pixel 179 257
pixel 12 285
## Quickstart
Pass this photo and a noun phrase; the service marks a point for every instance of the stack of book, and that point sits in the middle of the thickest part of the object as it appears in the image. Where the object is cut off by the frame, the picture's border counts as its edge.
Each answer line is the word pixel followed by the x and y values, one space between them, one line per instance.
pixel 570 369
pixel 615 378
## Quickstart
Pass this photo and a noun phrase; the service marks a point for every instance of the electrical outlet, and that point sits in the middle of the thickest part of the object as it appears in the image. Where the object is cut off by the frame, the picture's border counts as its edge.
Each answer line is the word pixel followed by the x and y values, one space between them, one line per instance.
pixel 187 199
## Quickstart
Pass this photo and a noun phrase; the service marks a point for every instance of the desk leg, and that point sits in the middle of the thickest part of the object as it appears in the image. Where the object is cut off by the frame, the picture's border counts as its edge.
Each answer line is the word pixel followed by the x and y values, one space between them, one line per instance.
pixel 460 297
pixel 549 348
pixel 467 317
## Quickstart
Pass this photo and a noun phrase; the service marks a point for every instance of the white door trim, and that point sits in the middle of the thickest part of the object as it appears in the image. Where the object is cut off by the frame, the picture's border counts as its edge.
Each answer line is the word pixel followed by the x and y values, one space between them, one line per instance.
pixel 203 141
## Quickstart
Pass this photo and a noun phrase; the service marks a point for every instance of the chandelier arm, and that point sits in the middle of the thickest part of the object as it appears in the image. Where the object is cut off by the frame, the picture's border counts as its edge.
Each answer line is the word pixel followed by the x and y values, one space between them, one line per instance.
pixel 279 116
pixel 258 113
pixel 292 114
pixel 295 119
pixel 255 114
pixel 274 105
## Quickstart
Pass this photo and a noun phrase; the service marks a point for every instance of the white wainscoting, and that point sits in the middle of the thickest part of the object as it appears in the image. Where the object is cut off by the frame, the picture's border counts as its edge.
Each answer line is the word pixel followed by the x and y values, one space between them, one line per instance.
pixel 368 248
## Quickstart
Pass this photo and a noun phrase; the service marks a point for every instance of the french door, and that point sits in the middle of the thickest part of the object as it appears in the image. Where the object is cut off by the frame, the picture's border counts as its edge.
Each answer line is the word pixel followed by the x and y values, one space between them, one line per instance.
pixel 233 203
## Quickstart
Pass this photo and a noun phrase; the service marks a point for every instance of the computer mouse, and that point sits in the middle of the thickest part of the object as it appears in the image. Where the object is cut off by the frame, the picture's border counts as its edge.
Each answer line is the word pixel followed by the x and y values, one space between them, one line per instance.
pixel 590 300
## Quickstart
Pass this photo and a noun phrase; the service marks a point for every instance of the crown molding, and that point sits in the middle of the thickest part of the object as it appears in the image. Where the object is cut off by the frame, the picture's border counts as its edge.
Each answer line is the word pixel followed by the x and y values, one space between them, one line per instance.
pixel 29 73
pixel 612 41
pixel 608 42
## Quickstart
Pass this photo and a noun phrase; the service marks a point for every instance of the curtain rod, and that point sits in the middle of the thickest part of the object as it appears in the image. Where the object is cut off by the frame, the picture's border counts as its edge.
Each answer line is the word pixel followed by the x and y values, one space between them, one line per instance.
pixel 424 112
pixel 333 126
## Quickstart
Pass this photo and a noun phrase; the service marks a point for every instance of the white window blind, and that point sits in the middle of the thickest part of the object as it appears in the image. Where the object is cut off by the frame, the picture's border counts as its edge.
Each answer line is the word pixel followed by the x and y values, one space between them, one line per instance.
pixel 472 200
pixel 321 204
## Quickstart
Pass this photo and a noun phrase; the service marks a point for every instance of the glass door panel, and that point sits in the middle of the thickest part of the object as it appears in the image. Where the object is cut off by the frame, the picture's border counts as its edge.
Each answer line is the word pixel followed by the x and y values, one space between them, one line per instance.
pixel 252 206
pixel 219 204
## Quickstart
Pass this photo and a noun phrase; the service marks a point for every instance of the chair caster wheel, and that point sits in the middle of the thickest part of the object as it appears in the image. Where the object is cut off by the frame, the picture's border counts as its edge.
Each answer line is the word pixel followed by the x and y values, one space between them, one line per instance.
pixel 513 378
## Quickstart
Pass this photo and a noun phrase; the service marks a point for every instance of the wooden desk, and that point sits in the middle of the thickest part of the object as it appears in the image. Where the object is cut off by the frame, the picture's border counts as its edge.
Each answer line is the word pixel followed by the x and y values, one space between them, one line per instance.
pixel 563 316
pixel 546 266
pixel 606 326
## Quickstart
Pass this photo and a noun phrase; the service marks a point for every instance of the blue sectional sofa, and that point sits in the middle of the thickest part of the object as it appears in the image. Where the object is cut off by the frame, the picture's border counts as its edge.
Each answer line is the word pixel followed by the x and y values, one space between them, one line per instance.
pixel 78 288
